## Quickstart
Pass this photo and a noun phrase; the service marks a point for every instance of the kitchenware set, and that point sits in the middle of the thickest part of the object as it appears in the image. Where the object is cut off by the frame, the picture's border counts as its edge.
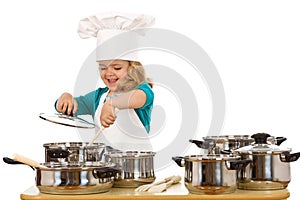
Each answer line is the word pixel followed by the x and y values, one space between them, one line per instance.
pixel 228 162
pixel 231 162
pixel 85 167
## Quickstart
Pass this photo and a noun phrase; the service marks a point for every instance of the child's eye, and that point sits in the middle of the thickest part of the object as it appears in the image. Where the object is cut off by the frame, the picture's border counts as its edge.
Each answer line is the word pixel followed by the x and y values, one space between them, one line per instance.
pixel 118 68
pixel 102 68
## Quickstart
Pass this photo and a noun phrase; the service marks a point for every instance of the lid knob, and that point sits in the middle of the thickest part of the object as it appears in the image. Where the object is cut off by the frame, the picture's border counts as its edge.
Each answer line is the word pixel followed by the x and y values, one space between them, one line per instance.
pixel 260 138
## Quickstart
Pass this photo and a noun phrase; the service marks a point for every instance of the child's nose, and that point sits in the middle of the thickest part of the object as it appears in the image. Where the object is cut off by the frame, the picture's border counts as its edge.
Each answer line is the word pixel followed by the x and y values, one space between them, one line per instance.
pixel 110 71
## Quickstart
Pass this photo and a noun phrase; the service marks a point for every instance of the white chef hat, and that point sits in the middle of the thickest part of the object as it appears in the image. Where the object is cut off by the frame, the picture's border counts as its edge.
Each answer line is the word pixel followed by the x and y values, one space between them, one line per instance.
pixel 124 28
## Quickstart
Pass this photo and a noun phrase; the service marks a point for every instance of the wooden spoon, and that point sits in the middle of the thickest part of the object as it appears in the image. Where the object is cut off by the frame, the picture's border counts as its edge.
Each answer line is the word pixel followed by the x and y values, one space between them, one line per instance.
pixel 164 186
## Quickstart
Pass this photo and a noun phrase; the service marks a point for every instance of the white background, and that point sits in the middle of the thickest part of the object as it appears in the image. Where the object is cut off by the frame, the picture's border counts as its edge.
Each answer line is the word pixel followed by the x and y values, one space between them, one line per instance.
pixel 255 46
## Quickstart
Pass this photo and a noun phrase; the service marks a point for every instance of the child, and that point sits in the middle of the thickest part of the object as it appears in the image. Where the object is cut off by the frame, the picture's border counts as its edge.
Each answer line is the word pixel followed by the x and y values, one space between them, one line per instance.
pixel 118 76
pixel 127 88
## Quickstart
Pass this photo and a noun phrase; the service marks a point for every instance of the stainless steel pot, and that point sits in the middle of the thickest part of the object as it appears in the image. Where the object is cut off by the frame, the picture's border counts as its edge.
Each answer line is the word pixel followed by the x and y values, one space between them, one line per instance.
pixel 211 174
pixel 269 168
pixel 73 178
pixel 81 178
pixel 225 144
pixel 73 152
pixel 211 144
pixel 137 167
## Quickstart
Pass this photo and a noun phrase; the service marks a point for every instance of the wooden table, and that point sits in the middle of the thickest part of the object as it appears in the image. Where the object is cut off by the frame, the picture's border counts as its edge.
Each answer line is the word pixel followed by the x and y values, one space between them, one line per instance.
pixel 177 191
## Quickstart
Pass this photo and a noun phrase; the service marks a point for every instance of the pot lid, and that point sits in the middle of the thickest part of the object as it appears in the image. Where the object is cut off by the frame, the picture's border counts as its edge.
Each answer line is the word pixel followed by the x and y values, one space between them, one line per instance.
pixel 67 120
pixel 261 145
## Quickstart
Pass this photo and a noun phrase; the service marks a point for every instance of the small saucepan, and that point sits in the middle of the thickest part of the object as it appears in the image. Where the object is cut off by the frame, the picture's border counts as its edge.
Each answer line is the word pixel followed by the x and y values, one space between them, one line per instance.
pixel 270 165
pixel 211 174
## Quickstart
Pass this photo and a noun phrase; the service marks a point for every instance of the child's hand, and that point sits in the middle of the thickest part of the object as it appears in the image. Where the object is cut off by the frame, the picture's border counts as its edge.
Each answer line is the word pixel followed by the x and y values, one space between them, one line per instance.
pixel 108 115
pixel 66 104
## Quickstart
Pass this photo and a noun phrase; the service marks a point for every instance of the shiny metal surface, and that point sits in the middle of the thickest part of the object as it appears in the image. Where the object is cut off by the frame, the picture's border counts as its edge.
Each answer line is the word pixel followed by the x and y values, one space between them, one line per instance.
pixel 137 168
pixel 74 179
pixel 266 172
pixel 73 152
pixel 228 143
pixel 209 175
pixel 225 143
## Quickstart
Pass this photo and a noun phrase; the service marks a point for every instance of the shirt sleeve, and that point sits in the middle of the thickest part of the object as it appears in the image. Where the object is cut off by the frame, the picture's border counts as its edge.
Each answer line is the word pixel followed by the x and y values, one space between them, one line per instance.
pixel 88 103
pixel 149 93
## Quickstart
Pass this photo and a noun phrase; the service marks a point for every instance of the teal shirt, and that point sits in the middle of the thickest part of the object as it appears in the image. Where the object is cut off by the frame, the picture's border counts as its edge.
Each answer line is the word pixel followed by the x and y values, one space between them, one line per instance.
pixel 87 104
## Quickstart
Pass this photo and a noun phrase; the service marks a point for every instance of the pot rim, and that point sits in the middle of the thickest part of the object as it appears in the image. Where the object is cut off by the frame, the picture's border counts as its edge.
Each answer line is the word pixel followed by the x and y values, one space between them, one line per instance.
pixel 74 166
pixel 211 157
pixel 71 144
pixel 130 154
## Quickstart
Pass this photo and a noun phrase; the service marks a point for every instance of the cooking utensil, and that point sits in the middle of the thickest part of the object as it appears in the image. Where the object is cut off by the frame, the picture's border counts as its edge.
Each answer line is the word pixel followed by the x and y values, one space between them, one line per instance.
pixel 270 165
pixel 226 144
pixel 73 178
pixel 163 187
pixel 73 152
pixel 96 135
pixel 211 174
pixel 137 167
pixel 101 129
pixel 66 120
pixel 146 187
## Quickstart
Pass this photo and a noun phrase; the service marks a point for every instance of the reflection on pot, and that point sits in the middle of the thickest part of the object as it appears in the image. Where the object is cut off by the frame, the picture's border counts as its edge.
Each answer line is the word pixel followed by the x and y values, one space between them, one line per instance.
pixel 269 168
pixel 211 174
pixel 137 167
pixel 73 152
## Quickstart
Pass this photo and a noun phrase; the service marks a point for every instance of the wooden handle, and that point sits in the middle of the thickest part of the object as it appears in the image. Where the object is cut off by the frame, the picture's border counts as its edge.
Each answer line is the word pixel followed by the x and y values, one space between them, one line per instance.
pixel 27 161
pixel 174 180
pixel 96 136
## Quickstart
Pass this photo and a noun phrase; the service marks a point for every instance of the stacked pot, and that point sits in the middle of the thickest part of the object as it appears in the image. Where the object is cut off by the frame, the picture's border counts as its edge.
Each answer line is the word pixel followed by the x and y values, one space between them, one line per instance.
pixel 131 168
pixel 231 162
pixel 80 168
pixel 75 168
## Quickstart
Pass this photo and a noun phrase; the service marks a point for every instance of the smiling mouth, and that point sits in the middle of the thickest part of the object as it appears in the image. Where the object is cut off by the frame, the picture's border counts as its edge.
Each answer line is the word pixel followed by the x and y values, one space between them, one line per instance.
pixel 112 80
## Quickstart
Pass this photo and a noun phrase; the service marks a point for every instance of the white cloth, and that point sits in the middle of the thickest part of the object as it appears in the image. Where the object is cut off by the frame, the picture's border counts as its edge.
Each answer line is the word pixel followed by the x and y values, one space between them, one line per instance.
pixel 105 26
pixel 126 134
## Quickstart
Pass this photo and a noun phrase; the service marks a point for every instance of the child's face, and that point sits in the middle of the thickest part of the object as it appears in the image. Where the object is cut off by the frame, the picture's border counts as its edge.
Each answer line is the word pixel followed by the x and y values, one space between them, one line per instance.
pixel 111 71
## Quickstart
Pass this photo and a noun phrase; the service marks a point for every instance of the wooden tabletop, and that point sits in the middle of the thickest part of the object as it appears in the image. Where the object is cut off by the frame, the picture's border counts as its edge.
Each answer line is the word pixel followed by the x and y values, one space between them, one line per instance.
pixel 177 191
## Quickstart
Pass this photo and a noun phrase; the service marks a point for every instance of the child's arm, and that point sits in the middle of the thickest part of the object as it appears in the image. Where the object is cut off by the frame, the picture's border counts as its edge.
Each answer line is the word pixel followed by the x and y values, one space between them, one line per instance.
pixel 129 100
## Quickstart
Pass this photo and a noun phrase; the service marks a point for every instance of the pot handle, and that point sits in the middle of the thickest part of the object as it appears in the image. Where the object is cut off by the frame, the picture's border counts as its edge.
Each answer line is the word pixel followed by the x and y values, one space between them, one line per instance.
pixel 288 157
pixel 226 152
pixel 105 172
pixel 279 140
pixel 14 162
pixel 237 164
pixel 179 160
pixel 58 153
pixel 203 144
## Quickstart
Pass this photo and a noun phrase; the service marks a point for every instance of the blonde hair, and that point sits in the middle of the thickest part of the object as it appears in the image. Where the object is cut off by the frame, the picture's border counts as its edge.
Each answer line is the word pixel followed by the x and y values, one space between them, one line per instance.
pixel 134 77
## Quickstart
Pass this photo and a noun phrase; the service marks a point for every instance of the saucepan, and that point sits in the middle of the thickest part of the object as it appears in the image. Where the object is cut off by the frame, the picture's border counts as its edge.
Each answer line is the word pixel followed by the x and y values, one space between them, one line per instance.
pixel 211 174
pixel 137 167
pixel 73 152
pixel 73 177
pixel 226 144
pixel 270 165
